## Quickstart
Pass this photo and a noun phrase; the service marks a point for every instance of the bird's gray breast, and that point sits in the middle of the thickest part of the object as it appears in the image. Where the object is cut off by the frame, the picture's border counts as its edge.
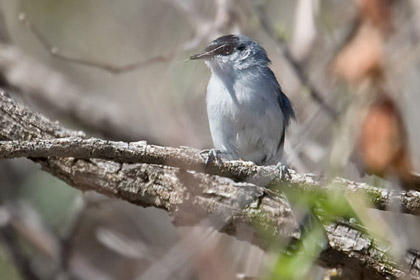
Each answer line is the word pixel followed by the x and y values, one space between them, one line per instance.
pixel 245 118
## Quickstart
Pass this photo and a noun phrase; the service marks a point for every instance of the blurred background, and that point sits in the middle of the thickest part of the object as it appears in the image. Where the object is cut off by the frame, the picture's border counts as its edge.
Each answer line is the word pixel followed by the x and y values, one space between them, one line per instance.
pixel 350 68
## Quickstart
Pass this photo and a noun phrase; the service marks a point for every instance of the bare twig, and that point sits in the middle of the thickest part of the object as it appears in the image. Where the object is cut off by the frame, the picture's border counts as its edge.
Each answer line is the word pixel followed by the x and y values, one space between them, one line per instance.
pixel 284 49
pixel 31 78
pixel 204 29
pixel 114 69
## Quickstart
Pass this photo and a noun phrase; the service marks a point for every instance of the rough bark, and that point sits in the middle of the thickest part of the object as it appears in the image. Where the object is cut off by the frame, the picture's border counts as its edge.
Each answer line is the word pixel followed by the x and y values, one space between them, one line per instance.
pixel 191 159
pixel 191 196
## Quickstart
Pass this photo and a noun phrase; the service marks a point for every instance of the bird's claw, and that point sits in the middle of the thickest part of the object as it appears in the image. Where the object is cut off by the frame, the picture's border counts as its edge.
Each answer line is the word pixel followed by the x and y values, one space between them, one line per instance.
pixel 211 155
pixel 283 171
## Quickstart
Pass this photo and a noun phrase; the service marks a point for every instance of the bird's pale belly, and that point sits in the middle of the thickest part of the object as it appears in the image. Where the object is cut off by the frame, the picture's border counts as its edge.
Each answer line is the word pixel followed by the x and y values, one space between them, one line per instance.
pixel 244 123
pixel 241 137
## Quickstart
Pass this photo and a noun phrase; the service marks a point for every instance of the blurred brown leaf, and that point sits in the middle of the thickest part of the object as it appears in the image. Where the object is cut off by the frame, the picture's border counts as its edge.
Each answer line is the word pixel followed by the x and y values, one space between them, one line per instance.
pixel 362 57
pixel 376 12
pixel 383 141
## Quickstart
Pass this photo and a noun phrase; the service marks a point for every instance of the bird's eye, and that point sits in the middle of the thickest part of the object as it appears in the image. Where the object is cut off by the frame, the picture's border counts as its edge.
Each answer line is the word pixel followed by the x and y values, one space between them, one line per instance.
pixel 240 47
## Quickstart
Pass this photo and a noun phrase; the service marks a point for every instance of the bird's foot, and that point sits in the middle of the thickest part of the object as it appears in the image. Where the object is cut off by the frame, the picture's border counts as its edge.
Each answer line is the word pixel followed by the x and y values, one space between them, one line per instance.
pixel 283 171
pixel 211 155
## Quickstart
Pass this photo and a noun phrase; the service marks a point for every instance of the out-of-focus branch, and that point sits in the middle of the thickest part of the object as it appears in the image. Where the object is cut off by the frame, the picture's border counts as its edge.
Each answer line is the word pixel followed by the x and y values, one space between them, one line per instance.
pixel 191 159
pixel 4 34
pixel 29 77
pixel 56 52
pixel 203 30
pixel 192 196
pixel 20 223
pixel 20 226
pixel 284 49
pixel 22 261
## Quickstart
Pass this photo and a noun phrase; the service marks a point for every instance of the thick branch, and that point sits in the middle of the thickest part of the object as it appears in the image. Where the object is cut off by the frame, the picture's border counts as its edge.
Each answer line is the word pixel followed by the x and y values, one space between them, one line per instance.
pixel 190 159
pixel 192 196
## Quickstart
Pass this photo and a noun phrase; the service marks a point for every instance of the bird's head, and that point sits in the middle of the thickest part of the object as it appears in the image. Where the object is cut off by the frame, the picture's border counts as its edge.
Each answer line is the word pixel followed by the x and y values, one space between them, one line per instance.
pixel 233 52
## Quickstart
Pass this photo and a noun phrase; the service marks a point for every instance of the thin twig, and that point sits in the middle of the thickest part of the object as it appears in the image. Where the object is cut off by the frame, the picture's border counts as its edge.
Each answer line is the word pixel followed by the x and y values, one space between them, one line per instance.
pixel 66 100
pixel 203 31
pixel 114 69
pixel 284 49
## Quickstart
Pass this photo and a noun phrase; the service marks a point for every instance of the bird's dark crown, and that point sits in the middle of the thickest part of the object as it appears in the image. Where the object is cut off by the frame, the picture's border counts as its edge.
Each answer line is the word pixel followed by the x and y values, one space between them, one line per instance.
pixel 224 45
pixel 249 52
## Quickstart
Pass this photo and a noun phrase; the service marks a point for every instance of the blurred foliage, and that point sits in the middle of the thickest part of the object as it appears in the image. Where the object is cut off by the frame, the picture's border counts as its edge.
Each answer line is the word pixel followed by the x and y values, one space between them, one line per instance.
pixel 52 199
pixel 7 267
pixel 295 259
pixel 297 263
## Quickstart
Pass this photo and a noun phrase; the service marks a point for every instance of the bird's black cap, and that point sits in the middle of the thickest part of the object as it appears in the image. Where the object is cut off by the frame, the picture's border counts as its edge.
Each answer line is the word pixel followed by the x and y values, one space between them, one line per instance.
pixel 224 45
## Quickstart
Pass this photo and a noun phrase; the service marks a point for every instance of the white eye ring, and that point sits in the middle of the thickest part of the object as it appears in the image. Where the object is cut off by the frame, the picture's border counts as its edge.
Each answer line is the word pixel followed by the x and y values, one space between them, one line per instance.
pixel 244 54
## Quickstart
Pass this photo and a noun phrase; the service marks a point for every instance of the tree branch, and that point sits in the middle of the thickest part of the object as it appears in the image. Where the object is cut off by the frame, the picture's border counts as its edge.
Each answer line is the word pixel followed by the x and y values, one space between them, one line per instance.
pixel 191 159
pixel 191 197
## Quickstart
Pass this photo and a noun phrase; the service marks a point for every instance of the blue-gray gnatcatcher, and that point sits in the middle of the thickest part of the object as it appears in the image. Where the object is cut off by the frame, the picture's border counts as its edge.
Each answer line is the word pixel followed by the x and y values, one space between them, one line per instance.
pixel 248 112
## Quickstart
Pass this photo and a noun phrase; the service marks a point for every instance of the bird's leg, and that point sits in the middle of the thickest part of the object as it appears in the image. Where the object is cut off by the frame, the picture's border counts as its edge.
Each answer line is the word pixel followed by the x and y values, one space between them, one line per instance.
pixel 212 155
pixel 283 170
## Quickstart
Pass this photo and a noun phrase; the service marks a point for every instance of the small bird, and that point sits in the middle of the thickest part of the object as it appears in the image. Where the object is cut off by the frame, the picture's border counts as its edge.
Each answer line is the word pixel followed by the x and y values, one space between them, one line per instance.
pixel 248 112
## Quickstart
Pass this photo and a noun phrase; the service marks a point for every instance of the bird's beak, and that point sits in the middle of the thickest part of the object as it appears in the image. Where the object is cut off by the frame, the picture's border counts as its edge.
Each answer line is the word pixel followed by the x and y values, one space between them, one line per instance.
pixel 202 55
pixel 209 52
